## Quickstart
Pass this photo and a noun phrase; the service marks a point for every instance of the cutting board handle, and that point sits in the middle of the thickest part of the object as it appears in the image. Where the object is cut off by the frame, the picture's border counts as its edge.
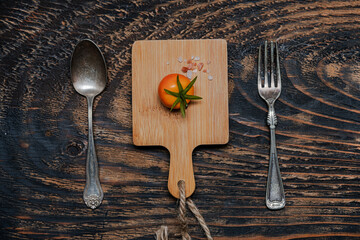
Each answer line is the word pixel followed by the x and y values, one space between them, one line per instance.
pixel 181 168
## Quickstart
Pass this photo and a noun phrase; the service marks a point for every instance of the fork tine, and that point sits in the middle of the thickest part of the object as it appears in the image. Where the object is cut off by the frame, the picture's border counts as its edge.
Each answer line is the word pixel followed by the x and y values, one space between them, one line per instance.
pixel 259 68
pixel 272 63
pixel 278 66
pixel 265 66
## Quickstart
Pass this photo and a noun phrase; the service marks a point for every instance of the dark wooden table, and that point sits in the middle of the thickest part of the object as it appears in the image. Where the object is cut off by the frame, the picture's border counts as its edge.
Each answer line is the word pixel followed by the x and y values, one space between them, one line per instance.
pixel 43 122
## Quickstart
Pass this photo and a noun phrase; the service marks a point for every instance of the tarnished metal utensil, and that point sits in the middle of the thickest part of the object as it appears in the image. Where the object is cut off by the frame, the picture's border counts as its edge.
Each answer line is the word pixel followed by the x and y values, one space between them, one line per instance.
pixel 88 74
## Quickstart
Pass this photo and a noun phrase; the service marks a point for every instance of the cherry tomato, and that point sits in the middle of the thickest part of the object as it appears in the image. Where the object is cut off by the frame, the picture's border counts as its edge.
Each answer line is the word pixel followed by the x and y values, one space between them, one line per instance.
pixel 170 83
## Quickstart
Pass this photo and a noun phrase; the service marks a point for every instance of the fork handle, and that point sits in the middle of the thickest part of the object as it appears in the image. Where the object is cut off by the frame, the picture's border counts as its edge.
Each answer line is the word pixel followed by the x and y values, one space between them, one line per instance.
pixel 275 196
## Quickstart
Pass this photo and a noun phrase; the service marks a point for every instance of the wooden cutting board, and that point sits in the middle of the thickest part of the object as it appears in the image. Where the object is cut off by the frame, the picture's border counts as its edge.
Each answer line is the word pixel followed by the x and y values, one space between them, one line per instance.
pixel 206 121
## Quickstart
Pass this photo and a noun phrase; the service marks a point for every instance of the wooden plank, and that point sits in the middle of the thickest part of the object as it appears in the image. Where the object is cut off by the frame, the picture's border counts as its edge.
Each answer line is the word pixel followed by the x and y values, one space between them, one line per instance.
pixel 43 122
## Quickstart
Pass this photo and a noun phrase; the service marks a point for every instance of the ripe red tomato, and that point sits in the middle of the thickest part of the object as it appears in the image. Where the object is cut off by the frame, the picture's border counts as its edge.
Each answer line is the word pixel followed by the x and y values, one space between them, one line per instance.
pixel 170 83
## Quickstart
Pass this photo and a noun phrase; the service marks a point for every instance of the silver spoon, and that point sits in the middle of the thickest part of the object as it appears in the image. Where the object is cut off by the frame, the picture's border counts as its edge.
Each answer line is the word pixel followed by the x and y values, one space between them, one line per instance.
pixel 88 74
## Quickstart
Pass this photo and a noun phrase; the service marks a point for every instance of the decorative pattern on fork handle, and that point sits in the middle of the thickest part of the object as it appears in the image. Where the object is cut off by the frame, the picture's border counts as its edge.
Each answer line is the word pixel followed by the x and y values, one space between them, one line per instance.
pixel 275 196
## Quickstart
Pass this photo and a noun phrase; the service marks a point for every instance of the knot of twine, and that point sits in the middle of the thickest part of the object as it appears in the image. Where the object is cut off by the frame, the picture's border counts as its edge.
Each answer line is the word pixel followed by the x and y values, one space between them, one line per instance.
pixel 162 233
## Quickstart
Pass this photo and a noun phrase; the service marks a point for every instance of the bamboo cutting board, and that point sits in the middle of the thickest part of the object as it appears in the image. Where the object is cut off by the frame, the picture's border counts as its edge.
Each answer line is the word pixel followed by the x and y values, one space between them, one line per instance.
pixel 206 121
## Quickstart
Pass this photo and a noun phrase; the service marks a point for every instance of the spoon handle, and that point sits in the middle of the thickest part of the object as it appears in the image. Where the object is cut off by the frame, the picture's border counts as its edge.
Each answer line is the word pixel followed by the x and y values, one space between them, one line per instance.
pixel 93 194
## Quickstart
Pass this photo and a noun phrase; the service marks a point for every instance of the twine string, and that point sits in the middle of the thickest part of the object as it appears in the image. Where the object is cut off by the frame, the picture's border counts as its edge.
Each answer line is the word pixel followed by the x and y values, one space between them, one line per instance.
pixel 182 211
pixel 162 233
pixel 199 217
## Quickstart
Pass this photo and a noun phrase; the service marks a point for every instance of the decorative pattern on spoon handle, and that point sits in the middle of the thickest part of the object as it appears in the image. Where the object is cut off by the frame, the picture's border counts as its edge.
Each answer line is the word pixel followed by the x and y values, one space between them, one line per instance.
pixel 93 194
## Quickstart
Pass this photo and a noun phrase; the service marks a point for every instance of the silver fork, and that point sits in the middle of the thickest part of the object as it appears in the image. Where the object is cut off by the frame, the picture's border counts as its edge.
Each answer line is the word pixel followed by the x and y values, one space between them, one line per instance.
pixel 270 91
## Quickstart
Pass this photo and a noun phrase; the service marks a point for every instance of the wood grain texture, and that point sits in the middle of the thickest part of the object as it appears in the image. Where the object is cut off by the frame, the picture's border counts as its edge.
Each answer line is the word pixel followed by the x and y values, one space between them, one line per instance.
pixel 43 122
pixel 206 121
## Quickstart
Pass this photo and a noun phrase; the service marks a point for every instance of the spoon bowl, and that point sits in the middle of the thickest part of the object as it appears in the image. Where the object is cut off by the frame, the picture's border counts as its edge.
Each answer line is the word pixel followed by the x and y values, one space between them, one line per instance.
pixel 88 69
pixel 88 74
